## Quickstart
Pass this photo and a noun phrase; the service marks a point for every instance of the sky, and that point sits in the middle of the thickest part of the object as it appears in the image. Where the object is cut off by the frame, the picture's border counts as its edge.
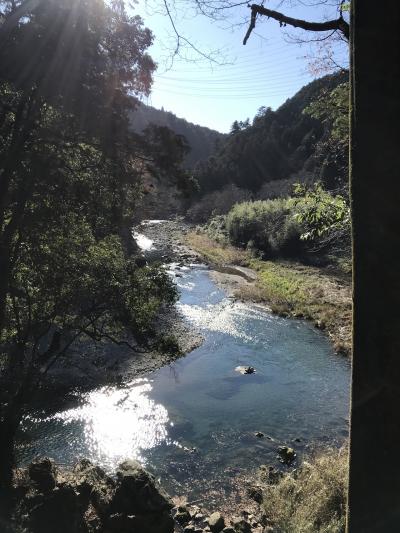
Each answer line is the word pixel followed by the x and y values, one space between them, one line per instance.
pixel 240 79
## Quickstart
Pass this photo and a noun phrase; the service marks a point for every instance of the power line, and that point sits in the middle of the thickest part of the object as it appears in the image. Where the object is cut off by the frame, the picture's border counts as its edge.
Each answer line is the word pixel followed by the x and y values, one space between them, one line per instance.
pixel 243 96
pixel 235 82
pixel 238 66
pixel 244 89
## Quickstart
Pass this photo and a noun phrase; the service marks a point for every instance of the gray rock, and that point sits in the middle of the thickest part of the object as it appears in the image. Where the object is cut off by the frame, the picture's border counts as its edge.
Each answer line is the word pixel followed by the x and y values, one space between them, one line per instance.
pixel 92 483
pixel 241 526
pixel 228 529
pixel 137 491
pixel 43 472
pixel 286 455
pixel 182 517
pixel 216 522
pixel 86 499
pixel 58 510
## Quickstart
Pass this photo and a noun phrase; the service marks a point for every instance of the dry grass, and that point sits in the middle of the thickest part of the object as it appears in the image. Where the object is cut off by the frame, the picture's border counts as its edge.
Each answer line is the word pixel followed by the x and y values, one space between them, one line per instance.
pixel 216 253
pixel 312 499
pixel 289 288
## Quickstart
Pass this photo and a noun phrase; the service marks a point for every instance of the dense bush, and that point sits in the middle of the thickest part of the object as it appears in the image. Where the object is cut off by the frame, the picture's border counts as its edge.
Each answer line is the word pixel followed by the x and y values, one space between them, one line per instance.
pixel 325 218
pixel 268 226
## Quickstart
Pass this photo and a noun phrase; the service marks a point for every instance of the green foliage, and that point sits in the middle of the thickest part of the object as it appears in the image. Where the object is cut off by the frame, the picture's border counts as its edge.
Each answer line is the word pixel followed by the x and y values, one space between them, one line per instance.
pixel 216 229
pixel 70 171
pixel 332 149
pixel 168 344
pixel 332 107
pixel 314 219
pixel 70 178
pixel 325 217
pixel 268 226
pixel 67 279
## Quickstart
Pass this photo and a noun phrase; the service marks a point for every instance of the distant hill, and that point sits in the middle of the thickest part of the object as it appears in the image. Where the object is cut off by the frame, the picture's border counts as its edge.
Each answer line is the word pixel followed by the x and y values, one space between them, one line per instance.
pixel 278 145
pixel 203 141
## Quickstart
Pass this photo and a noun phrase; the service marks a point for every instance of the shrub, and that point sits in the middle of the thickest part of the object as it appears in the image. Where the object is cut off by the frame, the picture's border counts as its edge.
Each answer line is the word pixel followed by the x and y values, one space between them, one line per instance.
pixel 325 218
pixel 268 226
pixel 311 499
pixel 216 229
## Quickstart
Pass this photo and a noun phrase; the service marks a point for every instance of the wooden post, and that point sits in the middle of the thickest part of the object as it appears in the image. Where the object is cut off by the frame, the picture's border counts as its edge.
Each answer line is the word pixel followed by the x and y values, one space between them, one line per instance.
pixel 374 484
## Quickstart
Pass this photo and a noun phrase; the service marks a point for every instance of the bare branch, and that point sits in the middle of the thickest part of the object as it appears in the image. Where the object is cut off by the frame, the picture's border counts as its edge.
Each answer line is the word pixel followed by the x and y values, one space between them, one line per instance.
pixel 331 25
pixel 180 38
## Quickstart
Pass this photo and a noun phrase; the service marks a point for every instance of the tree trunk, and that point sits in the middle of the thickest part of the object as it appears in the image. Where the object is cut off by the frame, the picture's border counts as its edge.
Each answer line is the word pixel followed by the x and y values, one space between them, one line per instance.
pixel 4 282
pixel 374 487
pixel 8 429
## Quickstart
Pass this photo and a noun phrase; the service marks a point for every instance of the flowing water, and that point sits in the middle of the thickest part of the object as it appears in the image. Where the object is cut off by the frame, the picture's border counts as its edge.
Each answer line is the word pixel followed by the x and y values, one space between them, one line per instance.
pixel 193 422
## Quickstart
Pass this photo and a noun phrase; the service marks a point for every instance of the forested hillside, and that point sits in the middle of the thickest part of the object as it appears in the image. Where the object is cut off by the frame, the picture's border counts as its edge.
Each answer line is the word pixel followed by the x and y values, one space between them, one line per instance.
pixel 279 186
pixel 291 142
pixel 202 141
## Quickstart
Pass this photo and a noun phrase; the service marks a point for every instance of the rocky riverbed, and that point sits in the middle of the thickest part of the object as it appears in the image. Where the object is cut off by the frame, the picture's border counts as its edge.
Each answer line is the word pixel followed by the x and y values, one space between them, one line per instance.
pixel 84 499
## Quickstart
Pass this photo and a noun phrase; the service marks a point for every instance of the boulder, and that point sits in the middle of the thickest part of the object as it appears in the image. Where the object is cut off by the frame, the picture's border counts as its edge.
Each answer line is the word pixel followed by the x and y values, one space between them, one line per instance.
pixel 286 455
pixel 93 484
pixel 58 510
pixel 216 522
pixel 43 473
pixel 241 526
pixel 137 491
pixel 182 516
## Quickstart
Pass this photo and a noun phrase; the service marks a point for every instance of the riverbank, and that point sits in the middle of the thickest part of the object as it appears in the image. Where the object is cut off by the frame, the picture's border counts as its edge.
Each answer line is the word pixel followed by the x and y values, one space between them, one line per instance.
pixel 191 420
pixel 89 364
pixel 85 499
pixel 321 295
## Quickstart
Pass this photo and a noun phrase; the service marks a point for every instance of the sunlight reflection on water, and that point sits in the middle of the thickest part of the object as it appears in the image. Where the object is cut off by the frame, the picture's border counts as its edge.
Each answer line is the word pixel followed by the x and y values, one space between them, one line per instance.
pixel 119 423
pixel 193 423
pixel 225 317
pixel 144 243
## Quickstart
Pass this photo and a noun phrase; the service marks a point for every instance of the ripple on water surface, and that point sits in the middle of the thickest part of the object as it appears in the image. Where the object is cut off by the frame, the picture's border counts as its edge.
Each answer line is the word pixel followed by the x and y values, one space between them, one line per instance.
pixel 196 419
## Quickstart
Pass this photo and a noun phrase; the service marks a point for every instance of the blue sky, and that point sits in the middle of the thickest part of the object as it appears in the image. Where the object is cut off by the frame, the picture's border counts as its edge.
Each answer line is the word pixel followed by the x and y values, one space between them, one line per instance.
pixel 265 72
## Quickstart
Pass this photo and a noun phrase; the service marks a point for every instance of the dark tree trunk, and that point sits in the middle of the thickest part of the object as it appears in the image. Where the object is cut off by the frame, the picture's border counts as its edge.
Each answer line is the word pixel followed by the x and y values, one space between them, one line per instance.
pixel 8 429
pixel 4 281
pixel 374 489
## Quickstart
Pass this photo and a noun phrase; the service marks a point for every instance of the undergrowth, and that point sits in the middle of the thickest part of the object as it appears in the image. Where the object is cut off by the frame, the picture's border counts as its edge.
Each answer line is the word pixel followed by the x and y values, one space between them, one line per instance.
pixel 312 498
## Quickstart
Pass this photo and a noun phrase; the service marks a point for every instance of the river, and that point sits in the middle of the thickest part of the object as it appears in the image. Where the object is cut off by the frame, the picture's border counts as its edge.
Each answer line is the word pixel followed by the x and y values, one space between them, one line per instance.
pixel 194 422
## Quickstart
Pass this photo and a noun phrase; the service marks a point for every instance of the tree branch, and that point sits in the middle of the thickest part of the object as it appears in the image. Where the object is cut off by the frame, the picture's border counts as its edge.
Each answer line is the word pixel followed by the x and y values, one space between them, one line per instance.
pixel 337 24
